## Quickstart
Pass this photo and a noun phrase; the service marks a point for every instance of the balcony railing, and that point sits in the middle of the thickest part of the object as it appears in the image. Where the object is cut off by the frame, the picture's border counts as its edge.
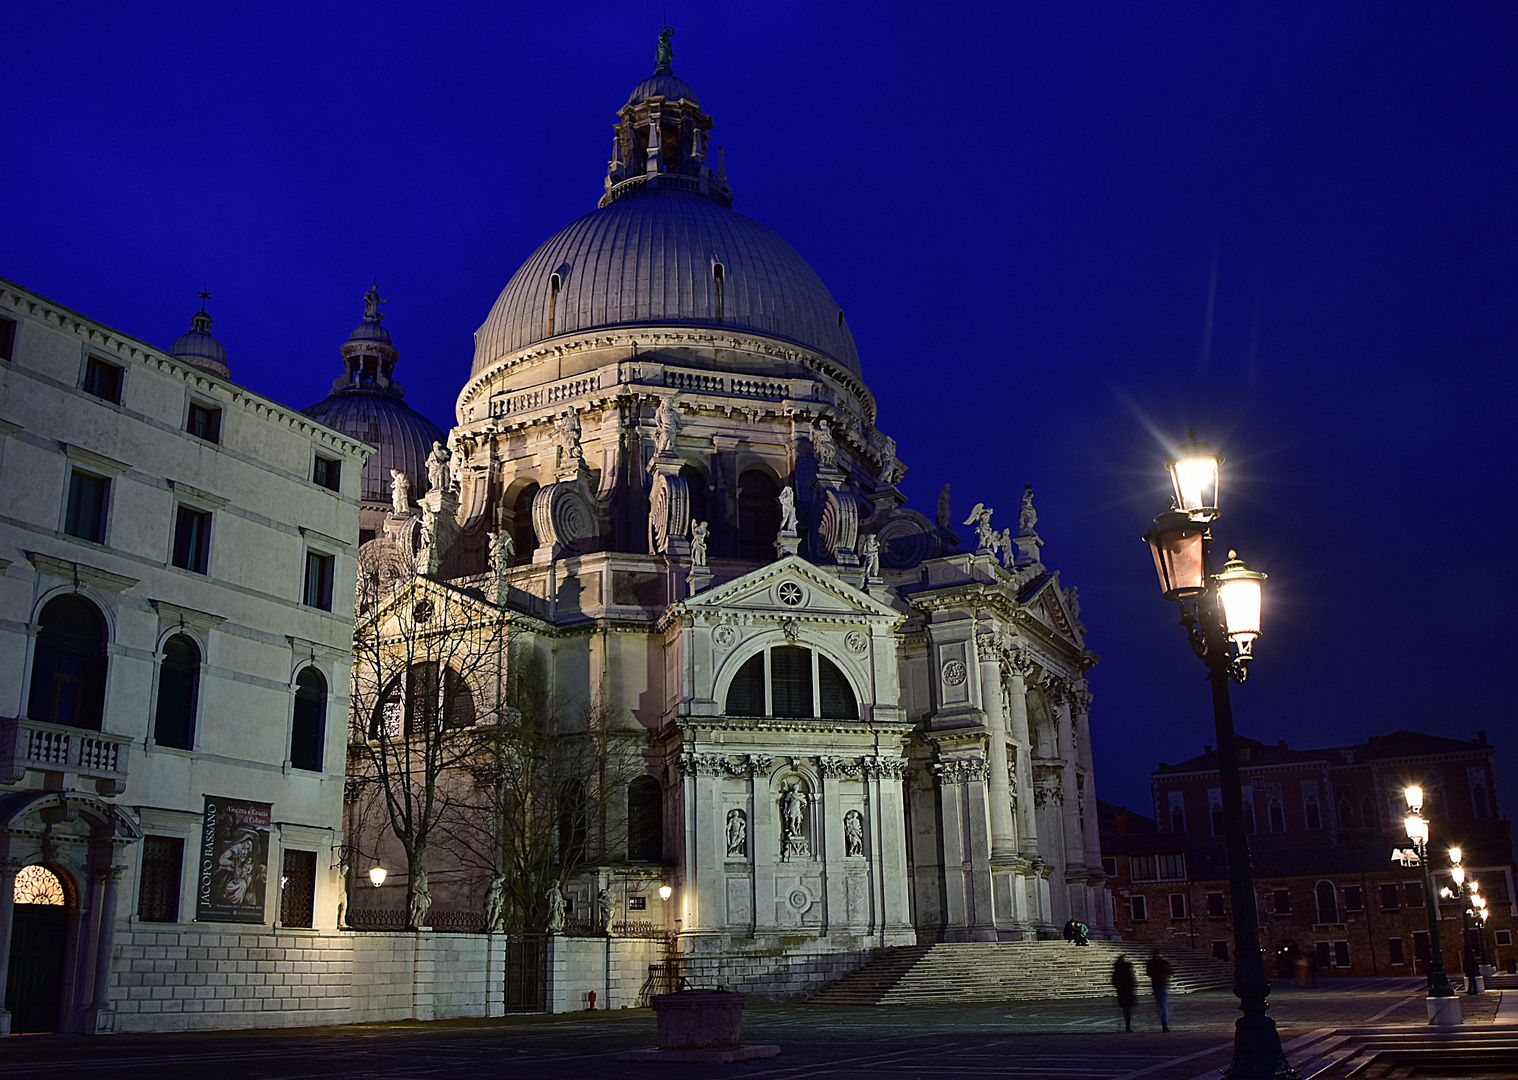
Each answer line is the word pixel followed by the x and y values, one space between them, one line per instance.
pixel 53 748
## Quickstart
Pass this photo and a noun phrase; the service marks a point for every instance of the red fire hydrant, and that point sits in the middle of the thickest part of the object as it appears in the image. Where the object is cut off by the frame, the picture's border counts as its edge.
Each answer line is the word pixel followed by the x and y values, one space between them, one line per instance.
pixel 592 998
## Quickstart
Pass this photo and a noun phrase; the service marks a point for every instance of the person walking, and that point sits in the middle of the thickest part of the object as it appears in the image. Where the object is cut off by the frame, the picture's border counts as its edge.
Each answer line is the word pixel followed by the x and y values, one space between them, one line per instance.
pixel 1159 971
pixel 1126 985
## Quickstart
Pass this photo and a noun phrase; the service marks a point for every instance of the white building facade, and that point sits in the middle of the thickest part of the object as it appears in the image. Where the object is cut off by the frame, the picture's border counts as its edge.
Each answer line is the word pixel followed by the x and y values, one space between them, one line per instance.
pixel 176 576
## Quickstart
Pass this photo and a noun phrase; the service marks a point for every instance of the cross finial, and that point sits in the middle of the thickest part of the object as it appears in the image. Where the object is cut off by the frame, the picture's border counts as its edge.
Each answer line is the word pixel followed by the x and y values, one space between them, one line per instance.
pixel 204 296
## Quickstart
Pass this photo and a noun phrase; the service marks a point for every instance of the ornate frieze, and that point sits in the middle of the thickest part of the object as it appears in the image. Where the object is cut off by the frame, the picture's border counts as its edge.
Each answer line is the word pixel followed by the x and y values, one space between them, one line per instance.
pixel 961 770
pixel 833 767
pixel 883 768
pixel 690 763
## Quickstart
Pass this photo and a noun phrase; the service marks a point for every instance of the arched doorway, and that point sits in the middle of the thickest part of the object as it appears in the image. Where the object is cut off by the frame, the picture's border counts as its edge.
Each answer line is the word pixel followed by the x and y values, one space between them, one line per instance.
pixel 39 928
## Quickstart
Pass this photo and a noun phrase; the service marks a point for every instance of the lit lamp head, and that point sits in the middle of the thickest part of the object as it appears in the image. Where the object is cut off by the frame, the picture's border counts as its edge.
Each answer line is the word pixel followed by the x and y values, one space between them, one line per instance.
pixel 1417 828
pixel 1457 873
pixel 377 876
pixel 1175 541
pixel 1194 474
pixel 665 892
pixel 1455 855
pixel 1413 796
pixel 1241 590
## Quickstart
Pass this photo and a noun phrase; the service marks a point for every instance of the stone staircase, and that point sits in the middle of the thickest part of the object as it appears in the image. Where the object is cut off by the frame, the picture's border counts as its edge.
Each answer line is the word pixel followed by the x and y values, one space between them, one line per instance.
pixel 1012 971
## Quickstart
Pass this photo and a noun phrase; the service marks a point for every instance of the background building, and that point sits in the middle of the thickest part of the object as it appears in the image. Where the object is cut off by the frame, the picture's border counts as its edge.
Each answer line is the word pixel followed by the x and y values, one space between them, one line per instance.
pixel 1323 825
pixel 176 569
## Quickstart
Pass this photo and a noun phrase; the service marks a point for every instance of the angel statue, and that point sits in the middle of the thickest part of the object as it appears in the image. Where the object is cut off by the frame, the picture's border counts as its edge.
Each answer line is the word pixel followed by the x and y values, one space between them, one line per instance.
pixel 986 538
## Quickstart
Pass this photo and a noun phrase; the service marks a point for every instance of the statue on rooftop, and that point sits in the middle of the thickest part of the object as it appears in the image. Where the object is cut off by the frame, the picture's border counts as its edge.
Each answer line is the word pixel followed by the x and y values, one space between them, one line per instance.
pixel 666 54
pixel 439 464
pixel 699 531
pixel 1029 516
pixel 943 508
pixel 986 538
pixel 788 526
pixel 667 426
pixel 400 493
pixel 372 301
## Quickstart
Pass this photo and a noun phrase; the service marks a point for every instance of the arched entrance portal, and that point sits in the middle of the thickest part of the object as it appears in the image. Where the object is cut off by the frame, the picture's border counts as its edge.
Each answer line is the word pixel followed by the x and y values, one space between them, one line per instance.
pixel 39 927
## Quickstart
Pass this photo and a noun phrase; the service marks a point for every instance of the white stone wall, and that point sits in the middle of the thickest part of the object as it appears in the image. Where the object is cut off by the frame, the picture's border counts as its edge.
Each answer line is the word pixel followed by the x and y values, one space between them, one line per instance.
pixel 615 969
pixel 191 978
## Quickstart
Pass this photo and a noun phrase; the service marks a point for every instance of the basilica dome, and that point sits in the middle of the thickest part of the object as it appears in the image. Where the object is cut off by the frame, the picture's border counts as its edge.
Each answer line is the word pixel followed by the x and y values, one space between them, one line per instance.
pixel 199 348
pixel 665 248
pixel 652 259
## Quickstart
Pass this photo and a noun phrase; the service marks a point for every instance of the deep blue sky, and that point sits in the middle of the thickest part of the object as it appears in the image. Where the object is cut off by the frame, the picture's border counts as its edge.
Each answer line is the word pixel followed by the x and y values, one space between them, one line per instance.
pixel 1018 205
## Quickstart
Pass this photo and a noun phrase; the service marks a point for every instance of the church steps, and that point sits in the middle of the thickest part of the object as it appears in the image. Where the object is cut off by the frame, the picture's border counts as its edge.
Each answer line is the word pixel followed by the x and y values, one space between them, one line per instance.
pixel 1012 971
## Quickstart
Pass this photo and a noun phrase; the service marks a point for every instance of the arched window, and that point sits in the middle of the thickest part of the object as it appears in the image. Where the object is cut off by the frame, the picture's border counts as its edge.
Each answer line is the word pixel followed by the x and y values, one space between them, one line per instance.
pixel 758 516
pixel 1346 814
pixel 524 536
pixel 645 820
pixel 719 282
pixel 1249 823
pixel 1217 819
pixel 695 486
pixel 554 284
pixel 178 691
pixel 801 684
pixel 69 665
pixel 1177 819
pixel 1277 816
pixel 1328 902
pixel 418 704
pixel 573 821
pixel 1313 814
pixel 310 724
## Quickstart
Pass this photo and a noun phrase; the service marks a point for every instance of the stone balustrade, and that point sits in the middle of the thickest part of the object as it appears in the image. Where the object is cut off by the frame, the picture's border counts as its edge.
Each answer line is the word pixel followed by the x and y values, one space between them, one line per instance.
pixel 31 744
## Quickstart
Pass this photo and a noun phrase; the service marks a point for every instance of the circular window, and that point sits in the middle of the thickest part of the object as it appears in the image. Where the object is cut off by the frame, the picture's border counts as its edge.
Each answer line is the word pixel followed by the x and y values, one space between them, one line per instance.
pixel 790 594
pixel 422 612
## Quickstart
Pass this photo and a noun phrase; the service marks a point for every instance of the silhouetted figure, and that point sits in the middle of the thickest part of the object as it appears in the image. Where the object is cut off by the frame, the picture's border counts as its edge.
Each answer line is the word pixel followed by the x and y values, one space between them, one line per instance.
pixel 1159 971
pixel 1126 985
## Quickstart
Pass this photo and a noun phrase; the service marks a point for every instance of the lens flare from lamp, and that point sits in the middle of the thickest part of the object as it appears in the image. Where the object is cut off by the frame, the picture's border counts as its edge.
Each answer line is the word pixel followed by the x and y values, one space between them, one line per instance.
pixel 1194 475
pixel 1417 828
pixel 377 876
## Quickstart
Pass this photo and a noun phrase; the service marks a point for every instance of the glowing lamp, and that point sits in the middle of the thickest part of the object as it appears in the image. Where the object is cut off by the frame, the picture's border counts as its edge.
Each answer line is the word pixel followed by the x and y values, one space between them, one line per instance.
pixel 1240 590
pixel 377 876
pixel 1175 540
pixel 1458 873
pixel 1194 474
pixel 665 892
pixel 1417 828
pixel 1413 796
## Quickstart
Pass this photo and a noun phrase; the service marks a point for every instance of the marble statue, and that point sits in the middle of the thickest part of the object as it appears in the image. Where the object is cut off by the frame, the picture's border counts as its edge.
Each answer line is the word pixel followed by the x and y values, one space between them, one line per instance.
pixel 823 445
pixel 793 822
pixel 944 512
pixel 870 550
pixel 372 301
pixel 853 833
pixel 604 909
pixel 698 534
pixel 421 899
pixel 887 459
pixel 1008 551
pixel 788 525
pixel 555 909
pixel 426 542
pixel 1028 517
pixel 567 431
pixel 667 427
pixel 400 493
pixel 502 548
pixel 986 537
pixel 495 905
pixel 437 468
pixel 737 833
pixel 1073 599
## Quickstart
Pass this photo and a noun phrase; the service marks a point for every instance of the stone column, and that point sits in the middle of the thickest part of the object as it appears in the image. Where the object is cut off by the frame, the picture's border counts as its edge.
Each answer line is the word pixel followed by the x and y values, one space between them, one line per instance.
pixel 888 851
pixel 8 870
pixel 1057 694
pixel 1003 833
pixel 1019 667
pixel 830 774
pixel 965 827
pixel 100 1018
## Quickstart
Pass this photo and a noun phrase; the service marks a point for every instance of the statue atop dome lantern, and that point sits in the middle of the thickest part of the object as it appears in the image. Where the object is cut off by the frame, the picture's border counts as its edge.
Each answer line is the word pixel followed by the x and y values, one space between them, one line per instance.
pixel 372 301
pixel 666 55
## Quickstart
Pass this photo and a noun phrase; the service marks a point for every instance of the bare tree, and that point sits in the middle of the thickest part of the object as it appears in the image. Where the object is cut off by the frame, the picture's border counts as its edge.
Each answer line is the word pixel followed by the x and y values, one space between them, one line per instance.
pixel 429 660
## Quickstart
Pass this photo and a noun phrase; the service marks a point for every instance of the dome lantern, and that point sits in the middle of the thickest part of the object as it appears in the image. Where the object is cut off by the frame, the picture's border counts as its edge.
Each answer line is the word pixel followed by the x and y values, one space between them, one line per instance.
pixel 198 347
pixel 662 138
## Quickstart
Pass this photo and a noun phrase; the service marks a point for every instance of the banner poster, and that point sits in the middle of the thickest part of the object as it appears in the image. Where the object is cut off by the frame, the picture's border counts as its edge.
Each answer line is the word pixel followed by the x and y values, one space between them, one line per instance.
pixel 233 871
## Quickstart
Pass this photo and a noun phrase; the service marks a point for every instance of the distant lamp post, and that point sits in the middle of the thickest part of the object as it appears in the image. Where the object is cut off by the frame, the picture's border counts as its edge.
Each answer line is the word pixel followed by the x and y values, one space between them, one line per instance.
pixel 1221 614
pixel 377 876
pixel 1472 908
pixel 1443 1006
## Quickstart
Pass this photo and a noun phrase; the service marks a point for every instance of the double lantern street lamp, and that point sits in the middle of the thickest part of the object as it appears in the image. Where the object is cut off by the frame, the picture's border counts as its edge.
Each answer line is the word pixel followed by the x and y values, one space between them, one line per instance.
pixel 1416 826
pixel 1472 911
pixel 1221 614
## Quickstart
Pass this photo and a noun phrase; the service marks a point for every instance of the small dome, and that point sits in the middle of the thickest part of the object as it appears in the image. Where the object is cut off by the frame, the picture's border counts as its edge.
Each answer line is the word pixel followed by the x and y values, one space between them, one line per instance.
pixel 198 348
pixel 650 260
pixel 403 435
pixel 666 84
pixel 370 331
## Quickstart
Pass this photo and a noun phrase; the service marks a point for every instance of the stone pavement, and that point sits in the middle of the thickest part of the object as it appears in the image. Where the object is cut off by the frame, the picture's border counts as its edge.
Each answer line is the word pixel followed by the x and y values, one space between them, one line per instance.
pixel 1071 1040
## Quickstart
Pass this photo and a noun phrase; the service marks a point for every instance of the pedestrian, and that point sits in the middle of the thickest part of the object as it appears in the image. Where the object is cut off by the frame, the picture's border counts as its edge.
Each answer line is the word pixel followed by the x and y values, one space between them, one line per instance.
pixel 1126 985
pixel 1081 932
pixel 1159 971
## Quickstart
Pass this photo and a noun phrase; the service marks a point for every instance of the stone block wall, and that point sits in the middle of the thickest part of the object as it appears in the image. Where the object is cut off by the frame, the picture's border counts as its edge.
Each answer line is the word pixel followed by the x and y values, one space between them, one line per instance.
pixel 190 978
pixel 615 970
pixel 777 972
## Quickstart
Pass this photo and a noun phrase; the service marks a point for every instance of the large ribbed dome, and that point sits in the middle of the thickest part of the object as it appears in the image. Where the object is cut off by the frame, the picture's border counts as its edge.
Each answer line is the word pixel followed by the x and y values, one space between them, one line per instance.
pixel 403 435
pixel 649 259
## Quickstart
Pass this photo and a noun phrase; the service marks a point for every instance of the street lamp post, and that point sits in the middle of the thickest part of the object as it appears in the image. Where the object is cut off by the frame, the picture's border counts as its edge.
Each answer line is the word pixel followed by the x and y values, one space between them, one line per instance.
pixel 1443 1006
pixel 1472 907
pixel 1221 614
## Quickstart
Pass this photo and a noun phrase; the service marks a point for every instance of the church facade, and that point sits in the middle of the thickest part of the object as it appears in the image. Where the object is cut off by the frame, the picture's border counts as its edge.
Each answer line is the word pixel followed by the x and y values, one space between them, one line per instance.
pixel 668 469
